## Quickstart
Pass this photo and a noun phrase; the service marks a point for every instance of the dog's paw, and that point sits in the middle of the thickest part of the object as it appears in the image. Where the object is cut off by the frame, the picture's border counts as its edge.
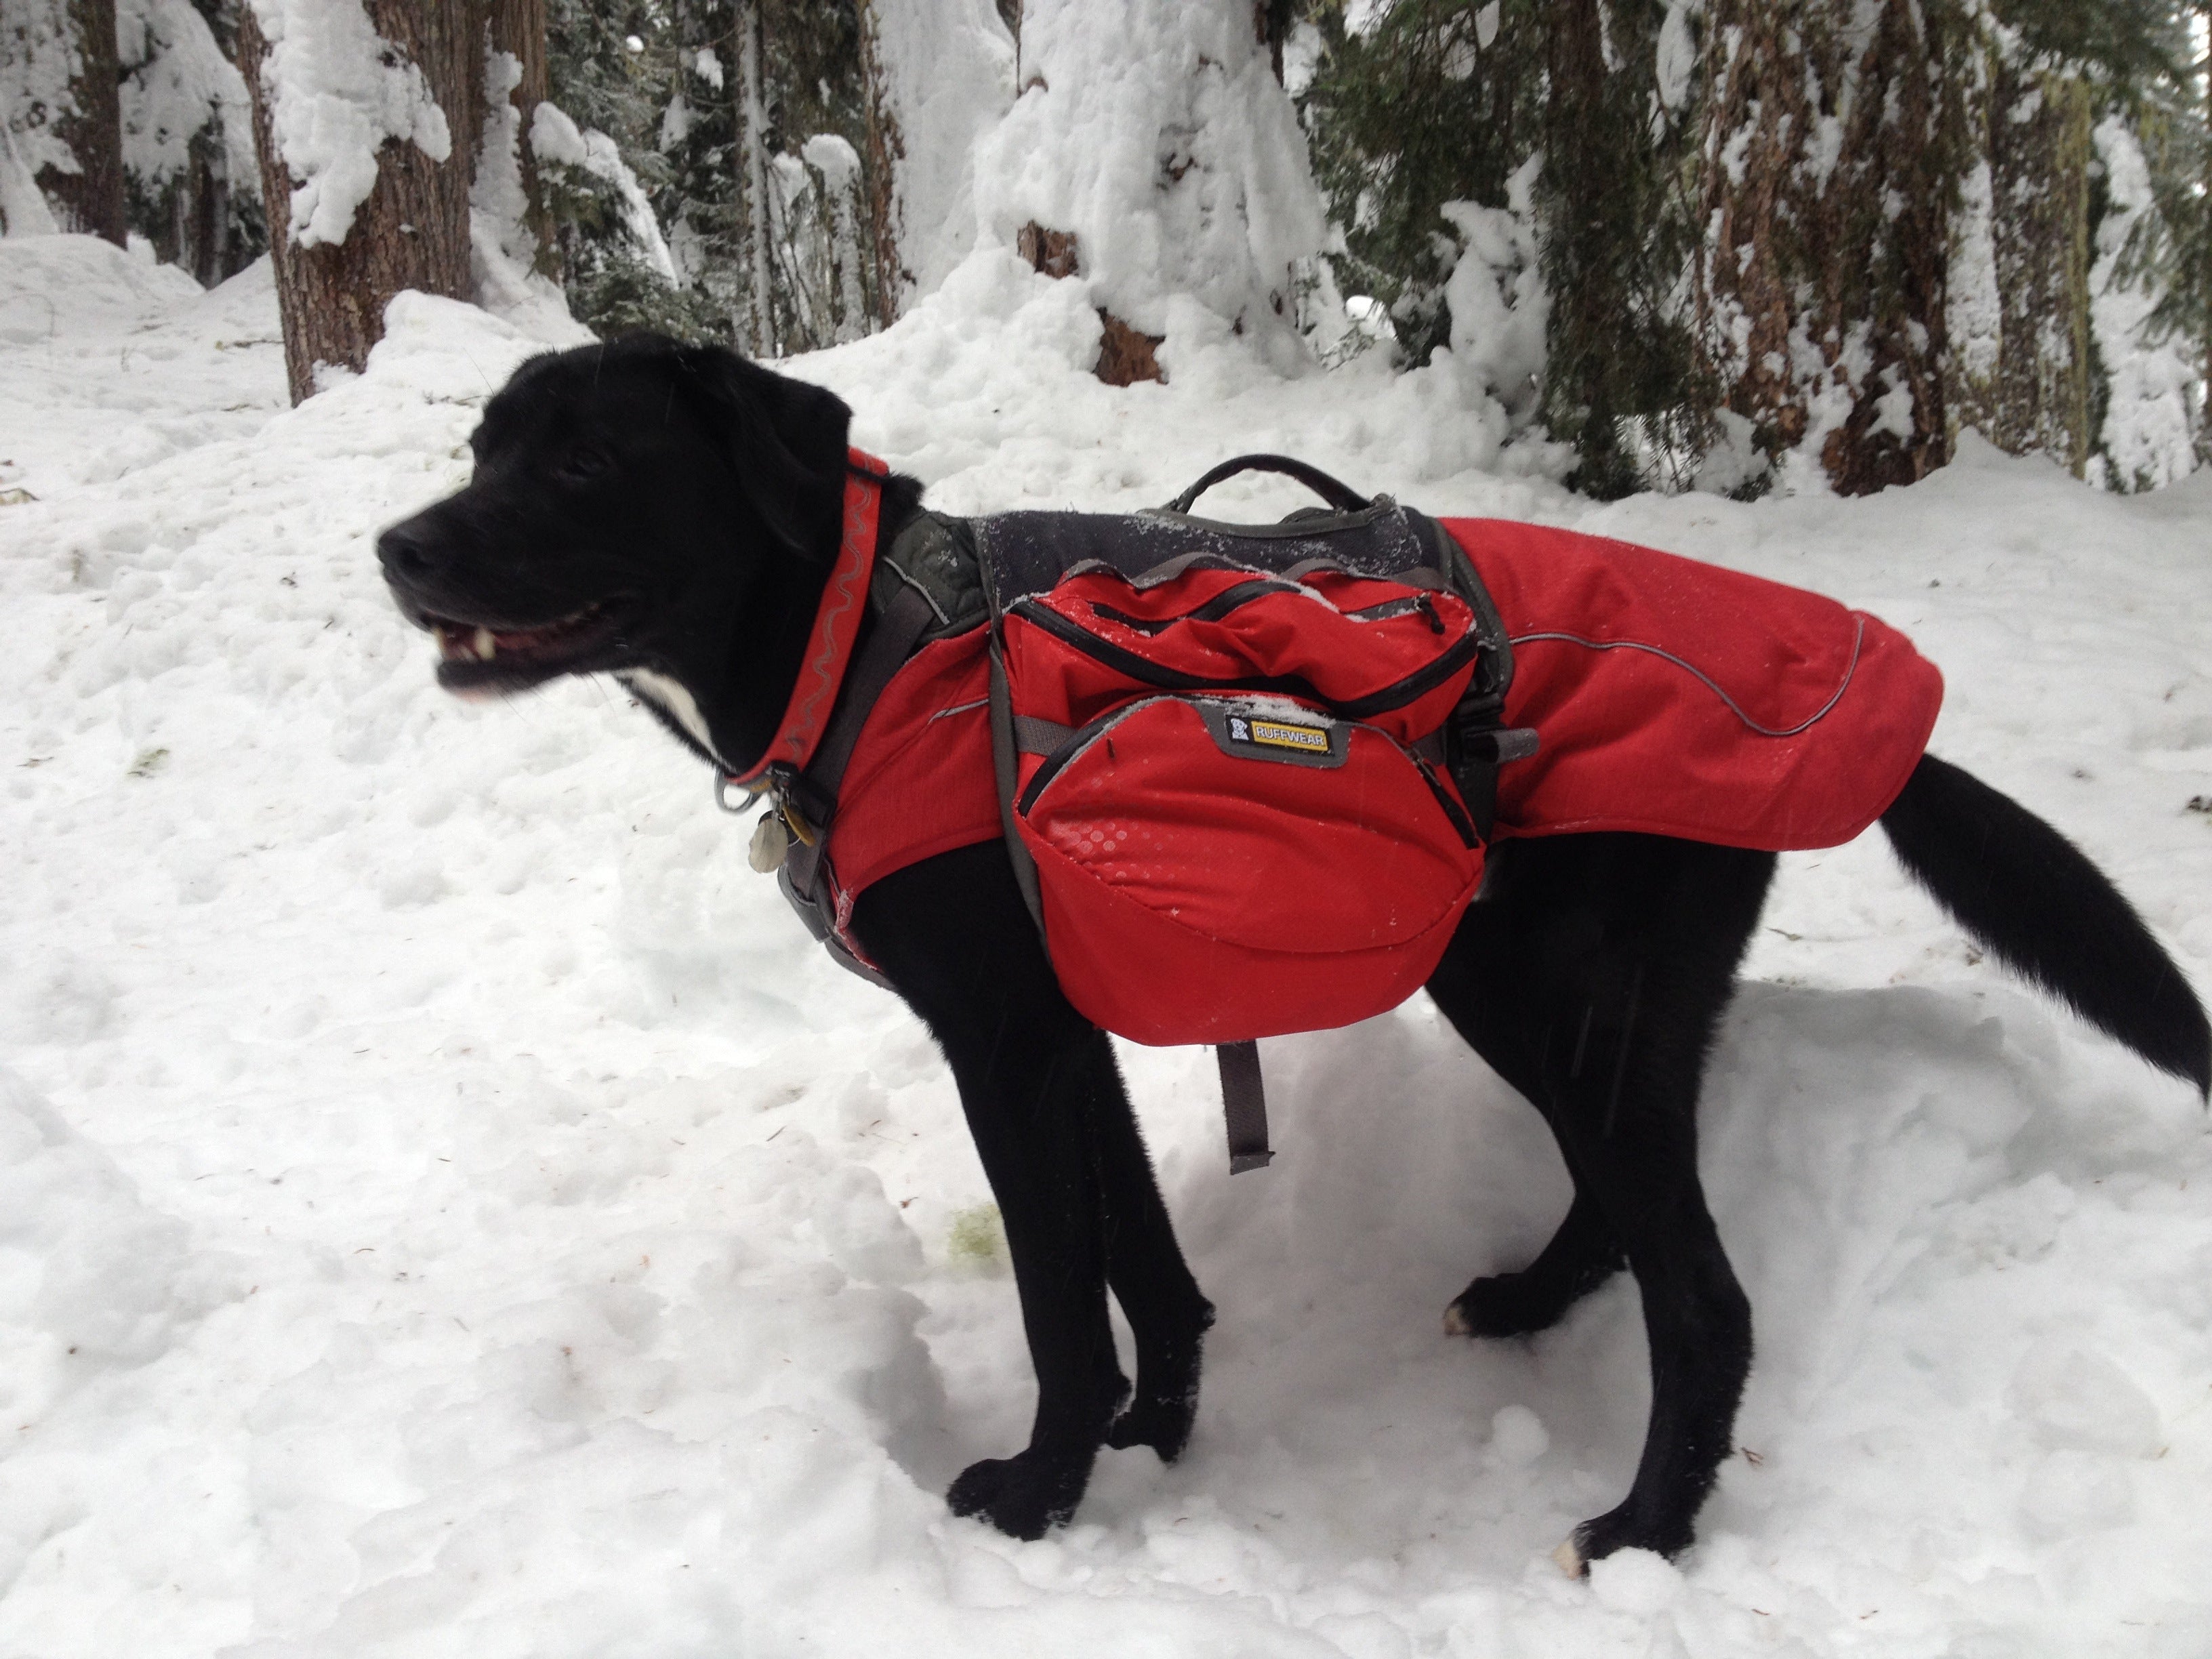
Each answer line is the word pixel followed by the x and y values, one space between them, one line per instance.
pixel 1507 1304
pixel 1617 1529
pixel 1163 1424
pixel 1024 1496
pixel 1167 1392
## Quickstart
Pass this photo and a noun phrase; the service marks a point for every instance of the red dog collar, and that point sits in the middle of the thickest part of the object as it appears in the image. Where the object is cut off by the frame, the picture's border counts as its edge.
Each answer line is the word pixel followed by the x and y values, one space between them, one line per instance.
pixel 836 625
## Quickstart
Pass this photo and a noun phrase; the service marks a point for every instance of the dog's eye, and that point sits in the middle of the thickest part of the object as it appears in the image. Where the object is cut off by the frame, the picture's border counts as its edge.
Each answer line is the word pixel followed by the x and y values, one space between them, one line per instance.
pixel 585 462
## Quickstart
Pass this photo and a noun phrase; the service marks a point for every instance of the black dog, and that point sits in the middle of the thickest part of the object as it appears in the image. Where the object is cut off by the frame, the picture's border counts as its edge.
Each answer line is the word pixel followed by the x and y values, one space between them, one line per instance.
pixel 669 514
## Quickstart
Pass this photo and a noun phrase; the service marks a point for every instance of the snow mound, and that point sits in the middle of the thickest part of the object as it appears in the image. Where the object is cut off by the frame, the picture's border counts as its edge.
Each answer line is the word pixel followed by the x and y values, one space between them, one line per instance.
pixel 499 1229
pixel 948 75
pixel 113 362
pixel 93 1279
pixel 1156 132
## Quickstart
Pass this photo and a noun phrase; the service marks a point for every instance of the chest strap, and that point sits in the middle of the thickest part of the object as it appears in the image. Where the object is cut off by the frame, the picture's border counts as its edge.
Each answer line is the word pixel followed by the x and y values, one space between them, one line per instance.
pixel 810 797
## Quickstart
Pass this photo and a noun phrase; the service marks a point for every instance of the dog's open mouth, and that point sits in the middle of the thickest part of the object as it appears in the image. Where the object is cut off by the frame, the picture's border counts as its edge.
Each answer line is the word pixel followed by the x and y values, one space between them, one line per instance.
pixel 476 657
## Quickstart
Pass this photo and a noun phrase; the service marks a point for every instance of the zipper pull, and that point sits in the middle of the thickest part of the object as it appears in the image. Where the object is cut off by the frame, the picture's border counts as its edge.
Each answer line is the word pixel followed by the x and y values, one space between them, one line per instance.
pixel 1429 609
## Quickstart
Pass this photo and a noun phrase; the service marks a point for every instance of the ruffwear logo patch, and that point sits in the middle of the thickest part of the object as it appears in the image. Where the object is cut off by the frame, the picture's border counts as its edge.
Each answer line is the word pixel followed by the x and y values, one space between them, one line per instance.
pixel 1279 734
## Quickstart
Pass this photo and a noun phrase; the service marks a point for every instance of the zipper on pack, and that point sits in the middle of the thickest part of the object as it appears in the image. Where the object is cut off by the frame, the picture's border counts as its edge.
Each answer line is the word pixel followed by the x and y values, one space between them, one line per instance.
pixel 1145 671
pixel 1232 598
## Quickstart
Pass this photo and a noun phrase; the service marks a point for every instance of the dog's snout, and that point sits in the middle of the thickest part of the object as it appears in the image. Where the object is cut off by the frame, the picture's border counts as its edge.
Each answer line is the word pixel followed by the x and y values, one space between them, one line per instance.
pixel 407 550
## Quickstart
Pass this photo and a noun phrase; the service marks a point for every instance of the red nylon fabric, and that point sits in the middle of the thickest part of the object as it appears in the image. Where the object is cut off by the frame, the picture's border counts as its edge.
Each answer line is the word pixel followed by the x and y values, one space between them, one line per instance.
pixel 920 782
pixel 1630 740
pixel 1151 841
pixel 1634 739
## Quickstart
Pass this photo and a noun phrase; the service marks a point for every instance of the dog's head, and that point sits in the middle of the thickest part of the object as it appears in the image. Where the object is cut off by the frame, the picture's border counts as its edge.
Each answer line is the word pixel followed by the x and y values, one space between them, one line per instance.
pixel 639 505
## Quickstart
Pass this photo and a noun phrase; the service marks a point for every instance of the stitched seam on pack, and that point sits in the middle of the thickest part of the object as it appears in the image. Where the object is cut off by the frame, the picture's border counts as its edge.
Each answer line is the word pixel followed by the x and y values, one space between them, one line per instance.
pixel 1858 639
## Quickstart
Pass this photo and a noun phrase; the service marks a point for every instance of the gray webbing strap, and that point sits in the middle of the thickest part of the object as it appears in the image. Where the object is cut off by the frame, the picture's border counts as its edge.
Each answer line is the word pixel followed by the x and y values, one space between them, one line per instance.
pixel 1244 1104
pixel 905 620
pixel 1003 767
pixel 1033 736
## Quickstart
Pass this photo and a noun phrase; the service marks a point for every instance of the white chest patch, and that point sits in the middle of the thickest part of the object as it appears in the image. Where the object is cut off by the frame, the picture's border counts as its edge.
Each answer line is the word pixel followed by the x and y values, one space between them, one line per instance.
pixel 669 695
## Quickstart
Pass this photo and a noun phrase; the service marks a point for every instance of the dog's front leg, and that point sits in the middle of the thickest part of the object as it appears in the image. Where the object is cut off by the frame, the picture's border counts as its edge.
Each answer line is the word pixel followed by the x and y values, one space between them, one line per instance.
pixel 1027 1104
pixel 1034 1077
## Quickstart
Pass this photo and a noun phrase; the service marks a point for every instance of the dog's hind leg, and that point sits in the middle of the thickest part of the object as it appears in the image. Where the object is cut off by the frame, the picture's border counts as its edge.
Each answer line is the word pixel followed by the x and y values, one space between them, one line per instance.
pixel 1045 1104
pixel 1167 1316
pixel 1627 948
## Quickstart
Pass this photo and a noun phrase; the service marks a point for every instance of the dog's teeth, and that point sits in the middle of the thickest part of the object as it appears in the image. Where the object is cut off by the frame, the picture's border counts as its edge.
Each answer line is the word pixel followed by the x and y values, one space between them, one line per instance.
pixel 445 642
pixel 487 643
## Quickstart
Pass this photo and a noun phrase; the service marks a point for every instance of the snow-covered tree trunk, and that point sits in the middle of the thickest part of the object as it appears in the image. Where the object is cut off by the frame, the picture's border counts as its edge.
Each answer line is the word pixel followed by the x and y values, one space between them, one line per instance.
pixel 885 150
pixel 517 28
pixel 1155 134
pixel 57 96
pixel 2039 156
pixel 366 115
pixel 1832 160
pixel 188 161
pixel 755 323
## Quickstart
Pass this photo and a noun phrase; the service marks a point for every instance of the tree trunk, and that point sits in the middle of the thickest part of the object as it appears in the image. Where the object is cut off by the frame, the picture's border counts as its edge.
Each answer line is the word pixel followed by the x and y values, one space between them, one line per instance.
pixel 200 231
pixel 412 232
pixel 2203 17
pixel 1583 179
pixel 57 94
pixel 518 27
pixel 1755 76
pixel 1831 158
pixel 91 199
pixel 885 152
pixel 756 328
pixel 2040 152
pixel 1897 431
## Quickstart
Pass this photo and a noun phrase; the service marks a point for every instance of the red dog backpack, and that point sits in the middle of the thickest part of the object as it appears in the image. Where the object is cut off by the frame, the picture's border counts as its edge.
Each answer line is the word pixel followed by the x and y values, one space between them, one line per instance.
pixel 1224 760
pixel 1245 773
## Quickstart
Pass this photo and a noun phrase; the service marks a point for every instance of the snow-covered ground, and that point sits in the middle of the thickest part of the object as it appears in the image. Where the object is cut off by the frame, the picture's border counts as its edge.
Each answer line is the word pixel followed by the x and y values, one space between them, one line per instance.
pixel 631 1296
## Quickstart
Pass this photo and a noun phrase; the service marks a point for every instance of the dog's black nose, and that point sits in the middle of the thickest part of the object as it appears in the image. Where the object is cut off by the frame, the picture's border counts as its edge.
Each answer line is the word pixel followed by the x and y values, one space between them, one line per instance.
pixel 406 551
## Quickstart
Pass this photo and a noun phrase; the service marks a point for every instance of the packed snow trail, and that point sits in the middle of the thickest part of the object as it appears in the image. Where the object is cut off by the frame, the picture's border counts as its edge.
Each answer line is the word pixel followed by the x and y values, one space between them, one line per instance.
pixel 448 1207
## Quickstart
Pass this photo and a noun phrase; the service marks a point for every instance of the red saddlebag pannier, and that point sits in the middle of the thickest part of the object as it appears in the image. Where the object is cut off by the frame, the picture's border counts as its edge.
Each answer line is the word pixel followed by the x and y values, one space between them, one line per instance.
pixel 1226 756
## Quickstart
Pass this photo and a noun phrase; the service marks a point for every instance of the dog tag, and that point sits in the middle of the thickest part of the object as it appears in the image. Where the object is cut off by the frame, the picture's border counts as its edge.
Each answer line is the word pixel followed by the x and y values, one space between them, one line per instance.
pixel 771 843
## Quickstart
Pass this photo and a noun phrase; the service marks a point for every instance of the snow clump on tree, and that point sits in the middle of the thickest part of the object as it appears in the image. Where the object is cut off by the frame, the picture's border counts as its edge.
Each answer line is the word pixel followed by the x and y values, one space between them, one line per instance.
pixel 1156 133
pixel 337 92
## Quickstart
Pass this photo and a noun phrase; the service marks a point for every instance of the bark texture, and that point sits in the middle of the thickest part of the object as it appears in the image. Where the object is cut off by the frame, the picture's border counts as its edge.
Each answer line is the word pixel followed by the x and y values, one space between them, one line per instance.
pixel 413 230
pixel 518 27
pixel 1833 139
pixel 195 223
pixel 885 152
pixel 1585 333
pixel 2039 155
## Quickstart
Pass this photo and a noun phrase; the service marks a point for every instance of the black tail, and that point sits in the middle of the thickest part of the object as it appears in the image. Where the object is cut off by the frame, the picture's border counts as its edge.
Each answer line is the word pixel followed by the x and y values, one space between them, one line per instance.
pixel 2028 894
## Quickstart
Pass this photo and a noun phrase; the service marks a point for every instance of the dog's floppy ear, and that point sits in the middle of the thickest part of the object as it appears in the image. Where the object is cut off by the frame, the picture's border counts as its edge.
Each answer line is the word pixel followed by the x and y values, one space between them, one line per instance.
pixel 786 441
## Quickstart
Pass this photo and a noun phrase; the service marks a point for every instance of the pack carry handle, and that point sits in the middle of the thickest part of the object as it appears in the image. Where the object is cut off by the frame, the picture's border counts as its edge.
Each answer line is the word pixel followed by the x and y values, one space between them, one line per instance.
pixel 1340 496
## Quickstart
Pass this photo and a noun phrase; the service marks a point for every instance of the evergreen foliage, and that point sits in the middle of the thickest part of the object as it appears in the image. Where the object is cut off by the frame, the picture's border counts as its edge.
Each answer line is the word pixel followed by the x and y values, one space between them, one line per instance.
pixel 771 250
pixel 1421 110
pixel 1622 383
pixel 1768 247
pixel 606 85
pixel 1773 233
pixel 2171 107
